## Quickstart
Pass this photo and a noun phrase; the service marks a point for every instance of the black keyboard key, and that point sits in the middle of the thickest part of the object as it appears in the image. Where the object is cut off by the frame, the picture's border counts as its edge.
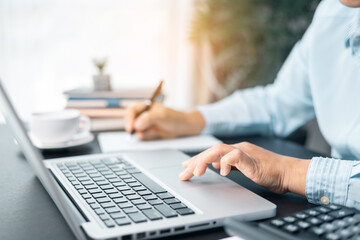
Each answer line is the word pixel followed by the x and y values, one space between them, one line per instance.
pixel 137 217
pixel 328 227
pixel 301 215
pixel 277 222
pixel 322 209
pixel 123 221
pixel 165 195
pixel 177 206
pixel 185 211
pixel 152 214
pixel 155 202
pixel 312 212
pixel 314 221
pixel 289 219
pixel 166 210
pixel 150 184
pixel 333 207
pixel 109 223
pixel 342 213
pixel 325 217
pixel 303 224
pixel 291 228
pixel 171 200
pixel 332 236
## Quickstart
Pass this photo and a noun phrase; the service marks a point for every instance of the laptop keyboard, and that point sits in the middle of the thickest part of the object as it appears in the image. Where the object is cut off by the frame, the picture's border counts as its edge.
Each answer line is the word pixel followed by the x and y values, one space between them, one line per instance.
pixel 120 194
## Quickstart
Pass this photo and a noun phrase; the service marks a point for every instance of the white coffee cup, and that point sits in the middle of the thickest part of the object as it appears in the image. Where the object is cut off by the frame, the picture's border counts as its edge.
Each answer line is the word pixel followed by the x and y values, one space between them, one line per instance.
pixel 60 126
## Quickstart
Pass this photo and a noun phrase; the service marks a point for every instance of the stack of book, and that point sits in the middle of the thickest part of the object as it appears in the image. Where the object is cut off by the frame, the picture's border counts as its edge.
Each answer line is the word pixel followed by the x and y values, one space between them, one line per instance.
pixel 105 108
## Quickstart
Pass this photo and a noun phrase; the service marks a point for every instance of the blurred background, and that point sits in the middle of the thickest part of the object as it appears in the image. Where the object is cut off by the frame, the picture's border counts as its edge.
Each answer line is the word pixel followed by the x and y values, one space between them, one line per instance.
pixel 203 49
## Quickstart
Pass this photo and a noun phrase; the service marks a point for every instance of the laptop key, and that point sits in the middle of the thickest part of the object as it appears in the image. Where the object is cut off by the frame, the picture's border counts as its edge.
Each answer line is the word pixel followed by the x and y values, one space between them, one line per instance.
pixel 152 214
pixel 120 200
pixel 86 196
pixel 166 210
pixel 143 206
pixel 130 210
pixel 143 193
pixel 117 215
pixel 147 182
pixel 112 210
pixel 95 190
pixel 104 217
pixel 119 184
pixel 99 211
pixel 138 201
pixel 171 200
pixel 155 202
pixel 107 205
pixel 165 195
pixel 82 191
pixel 90 200
pixel 149 197
pixel 108 186
pixel 111 191
pixel 185 211
pixel 122 221
pixel 123 188
pixel 137 217
pixel 135 184
pixel 139 188
pixel 109 223
pixel 133 196
pixel 102 200
pixel 177 206
pixel 99 195
pixel 128 192
pixel 125 205
pixel 92 186
pixel 115 195
pixel 94 206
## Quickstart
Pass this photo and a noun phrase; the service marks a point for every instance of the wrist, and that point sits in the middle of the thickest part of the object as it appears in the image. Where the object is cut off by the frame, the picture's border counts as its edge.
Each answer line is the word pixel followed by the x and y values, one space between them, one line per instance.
pixel 194 122
pixel 295 175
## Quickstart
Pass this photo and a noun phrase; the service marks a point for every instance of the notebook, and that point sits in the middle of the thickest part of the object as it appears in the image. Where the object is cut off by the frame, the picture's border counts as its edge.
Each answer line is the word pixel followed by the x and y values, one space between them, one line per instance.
pixel 123 141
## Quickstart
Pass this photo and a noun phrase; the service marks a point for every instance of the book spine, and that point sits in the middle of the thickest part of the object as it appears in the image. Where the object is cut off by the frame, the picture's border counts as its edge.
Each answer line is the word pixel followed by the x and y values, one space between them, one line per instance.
pixel 105 103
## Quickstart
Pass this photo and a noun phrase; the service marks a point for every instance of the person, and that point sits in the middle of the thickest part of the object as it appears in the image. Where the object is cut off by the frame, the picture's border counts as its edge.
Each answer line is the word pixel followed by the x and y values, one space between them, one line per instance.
pixel 320 77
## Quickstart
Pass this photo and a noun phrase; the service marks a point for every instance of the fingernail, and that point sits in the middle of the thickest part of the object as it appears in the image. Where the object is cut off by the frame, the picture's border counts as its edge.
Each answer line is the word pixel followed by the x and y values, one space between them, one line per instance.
pixel 222 172
pixel 183 175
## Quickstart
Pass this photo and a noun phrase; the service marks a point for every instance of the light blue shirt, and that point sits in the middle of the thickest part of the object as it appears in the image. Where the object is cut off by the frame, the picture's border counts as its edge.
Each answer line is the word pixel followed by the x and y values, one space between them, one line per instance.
pixel 319 78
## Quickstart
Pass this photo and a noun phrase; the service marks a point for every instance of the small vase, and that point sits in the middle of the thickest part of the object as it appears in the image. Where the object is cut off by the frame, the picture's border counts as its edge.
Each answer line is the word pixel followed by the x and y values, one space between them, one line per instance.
pixel 102 83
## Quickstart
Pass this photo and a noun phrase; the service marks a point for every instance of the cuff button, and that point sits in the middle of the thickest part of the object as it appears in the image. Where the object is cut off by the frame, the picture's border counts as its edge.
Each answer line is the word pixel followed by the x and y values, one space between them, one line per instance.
pixel 325 200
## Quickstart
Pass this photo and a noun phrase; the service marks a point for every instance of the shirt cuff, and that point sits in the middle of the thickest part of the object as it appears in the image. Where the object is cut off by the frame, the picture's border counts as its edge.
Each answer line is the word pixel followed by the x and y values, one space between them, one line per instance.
pixel 327 180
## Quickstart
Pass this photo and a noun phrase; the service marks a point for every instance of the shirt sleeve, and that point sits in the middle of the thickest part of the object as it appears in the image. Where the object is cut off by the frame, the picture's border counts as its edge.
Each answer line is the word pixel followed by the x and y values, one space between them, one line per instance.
pixel 333 180
pixel 276 109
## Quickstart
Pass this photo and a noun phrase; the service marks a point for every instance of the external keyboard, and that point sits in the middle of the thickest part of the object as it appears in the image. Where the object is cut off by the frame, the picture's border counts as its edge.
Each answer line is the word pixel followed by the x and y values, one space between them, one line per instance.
pixel 331 222
pixel 120 194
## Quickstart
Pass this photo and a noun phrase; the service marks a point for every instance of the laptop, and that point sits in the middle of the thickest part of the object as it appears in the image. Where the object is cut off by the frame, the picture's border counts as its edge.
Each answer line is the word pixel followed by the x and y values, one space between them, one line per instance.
pixel 135 195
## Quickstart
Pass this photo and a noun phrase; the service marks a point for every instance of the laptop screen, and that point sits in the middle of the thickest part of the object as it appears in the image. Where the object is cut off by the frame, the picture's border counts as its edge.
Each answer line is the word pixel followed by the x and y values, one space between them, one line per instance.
pixel 35 158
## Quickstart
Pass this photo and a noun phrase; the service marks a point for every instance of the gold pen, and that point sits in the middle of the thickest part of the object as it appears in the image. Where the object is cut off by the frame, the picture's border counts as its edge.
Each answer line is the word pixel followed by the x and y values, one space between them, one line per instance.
pixel 150 101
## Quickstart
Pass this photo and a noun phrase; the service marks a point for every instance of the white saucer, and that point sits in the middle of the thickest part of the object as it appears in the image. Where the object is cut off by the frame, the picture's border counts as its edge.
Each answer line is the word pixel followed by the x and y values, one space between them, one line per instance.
pixel 77 140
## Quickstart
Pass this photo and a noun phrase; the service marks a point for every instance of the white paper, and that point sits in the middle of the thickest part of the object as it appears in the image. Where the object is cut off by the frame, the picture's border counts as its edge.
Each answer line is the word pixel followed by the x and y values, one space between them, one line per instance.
pixel 232 238
pixel 123 141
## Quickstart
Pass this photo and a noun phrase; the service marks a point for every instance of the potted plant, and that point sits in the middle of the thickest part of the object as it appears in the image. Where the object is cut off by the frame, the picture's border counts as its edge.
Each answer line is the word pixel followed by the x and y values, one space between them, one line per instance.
pixel 101 81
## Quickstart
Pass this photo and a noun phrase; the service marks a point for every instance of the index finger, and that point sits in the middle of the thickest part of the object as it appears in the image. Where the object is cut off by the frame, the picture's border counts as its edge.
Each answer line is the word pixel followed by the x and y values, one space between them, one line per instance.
pixel 131 114
pixel 201 161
